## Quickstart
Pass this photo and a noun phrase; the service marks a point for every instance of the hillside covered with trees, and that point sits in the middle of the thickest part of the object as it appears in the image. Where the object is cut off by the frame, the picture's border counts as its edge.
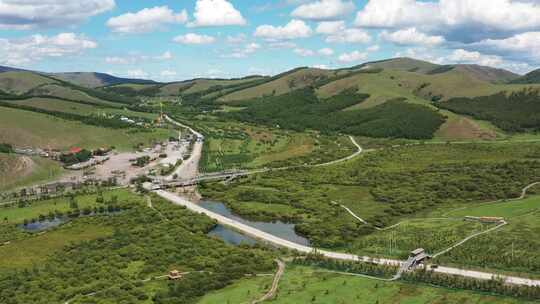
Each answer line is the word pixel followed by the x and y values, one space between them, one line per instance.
pixel 514 112
pixel 302 109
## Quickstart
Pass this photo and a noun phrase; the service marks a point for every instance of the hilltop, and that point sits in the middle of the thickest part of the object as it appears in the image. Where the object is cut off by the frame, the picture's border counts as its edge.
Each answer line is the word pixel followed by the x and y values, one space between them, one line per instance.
pixel 532 77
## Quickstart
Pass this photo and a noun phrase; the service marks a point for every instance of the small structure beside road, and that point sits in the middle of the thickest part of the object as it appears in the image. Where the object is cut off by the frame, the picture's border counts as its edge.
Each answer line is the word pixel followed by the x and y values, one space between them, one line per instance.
pixel 174 275
pixel 419 255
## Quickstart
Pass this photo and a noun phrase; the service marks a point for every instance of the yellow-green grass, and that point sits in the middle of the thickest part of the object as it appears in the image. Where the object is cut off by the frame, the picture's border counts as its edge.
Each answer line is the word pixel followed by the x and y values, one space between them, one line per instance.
pixel 134 86
pixel 28 129
pixel 282 85
pixel 85 79
pixel 357 199
pixel 32 251
pixel 260 146
pixel 390 84
pixel 296 146
pixel 242 291
pixel 69 93
pixel 17 171
pixel 422 156
pixel 35 209
pixel 311 285
pixel 205 84
pixel 509 209
pixel 59 105
pixel 434 235
pixel 22 82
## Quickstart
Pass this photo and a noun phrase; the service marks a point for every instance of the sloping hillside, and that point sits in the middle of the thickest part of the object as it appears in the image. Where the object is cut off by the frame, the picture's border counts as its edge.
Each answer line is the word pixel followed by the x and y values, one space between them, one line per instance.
pixel 488 74
pixel 17 82
pixel 532 77
pixel 94 80
pixel 284 83
pixel 403 64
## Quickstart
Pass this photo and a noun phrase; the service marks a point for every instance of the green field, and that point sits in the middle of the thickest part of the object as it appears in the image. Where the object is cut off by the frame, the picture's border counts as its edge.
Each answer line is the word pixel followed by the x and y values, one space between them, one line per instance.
pixel 17 215
pixel 243 146
pixel 510 209
pixel 22 82
pixel 243 291
pixel 41 130
pixel 59 105
pixel 311 285
pixel 17 171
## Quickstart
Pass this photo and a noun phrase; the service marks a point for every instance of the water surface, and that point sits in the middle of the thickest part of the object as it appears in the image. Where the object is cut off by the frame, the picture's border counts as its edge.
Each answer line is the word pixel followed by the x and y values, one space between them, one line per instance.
pixel 278 228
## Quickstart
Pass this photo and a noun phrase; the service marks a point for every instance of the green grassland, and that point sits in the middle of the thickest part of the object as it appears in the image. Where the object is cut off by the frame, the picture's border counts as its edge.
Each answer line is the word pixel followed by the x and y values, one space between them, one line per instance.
pixel 511 248
pixel 231 145
pixel 41 130
pixel 22 82
pixel 407 183
pixel 311 285
pixel 242 291
pixel 291 81
pixel 34 209
pixel 507 209
pixel 18 171
pixel 59 105
pixel 71 94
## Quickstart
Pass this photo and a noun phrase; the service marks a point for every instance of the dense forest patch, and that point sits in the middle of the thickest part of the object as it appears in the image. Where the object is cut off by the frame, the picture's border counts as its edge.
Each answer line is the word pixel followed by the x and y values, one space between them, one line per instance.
pixel 515 112
pixel 301 110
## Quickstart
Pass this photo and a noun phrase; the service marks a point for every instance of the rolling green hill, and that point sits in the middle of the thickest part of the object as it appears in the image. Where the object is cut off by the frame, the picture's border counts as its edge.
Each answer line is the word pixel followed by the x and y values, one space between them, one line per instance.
pixel 94 80
pixel 532 77
pixel 18 82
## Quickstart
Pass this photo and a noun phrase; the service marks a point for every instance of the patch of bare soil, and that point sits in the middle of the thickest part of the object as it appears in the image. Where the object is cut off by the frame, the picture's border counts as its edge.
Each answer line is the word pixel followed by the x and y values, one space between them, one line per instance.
pixel 465 129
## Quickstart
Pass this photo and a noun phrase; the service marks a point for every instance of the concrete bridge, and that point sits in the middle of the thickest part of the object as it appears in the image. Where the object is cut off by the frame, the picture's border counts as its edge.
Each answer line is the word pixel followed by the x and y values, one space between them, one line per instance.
pixel 163 184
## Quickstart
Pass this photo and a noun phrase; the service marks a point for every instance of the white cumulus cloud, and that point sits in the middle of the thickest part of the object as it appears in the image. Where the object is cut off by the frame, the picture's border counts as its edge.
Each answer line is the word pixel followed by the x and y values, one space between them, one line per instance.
pixel 304 52
pixel 524 46
pixel 457 20
pixel 36 47
pixel 29 14
pixel 411 36
pixel 353 56
pixel 330 27
pixel 293 30
pixel 216 13
pixel 349 36
pixel 326 52
pixel 243 52
pixel 138 73
pixel 463 56
pixel 324 10
pixel 192 38
pixel 146 20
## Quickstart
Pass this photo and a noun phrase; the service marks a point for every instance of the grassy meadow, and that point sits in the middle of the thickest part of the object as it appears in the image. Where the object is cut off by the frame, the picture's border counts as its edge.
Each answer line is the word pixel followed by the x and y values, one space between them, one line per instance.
pixel 311 285
pixel 40 130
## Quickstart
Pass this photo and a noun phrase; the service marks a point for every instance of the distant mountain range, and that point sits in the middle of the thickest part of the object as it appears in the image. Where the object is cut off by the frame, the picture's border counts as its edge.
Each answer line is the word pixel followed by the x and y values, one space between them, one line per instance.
pixel 484 73
pixel 85 79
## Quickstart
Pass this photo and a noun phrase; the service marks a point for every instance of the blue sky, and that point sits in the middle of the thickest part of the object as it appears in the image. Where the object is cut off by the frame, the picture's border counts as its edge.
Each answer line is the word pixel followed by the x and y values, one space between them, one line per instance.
pixel 182 39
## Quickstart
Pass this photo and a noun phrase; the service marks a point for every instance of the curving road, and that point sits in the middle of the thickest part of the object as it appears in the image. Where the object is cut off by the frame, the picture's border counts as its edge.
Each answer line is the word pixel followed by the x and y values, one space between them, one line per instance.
pixel 274 240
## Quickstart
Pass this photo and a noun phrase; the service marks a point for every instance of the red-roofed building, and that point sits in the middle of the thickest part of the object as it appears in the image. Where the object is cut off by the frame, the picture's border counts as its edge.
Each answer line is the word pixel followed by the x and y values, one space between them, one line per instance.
pixel 75 150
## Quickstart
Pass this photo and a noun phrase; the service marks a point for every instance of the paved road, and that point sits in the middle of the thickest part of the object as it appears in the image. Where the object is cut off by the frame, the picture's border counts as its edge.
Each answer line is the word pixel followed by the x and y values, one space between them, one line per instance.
pixel 189 169
pixel 269 238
